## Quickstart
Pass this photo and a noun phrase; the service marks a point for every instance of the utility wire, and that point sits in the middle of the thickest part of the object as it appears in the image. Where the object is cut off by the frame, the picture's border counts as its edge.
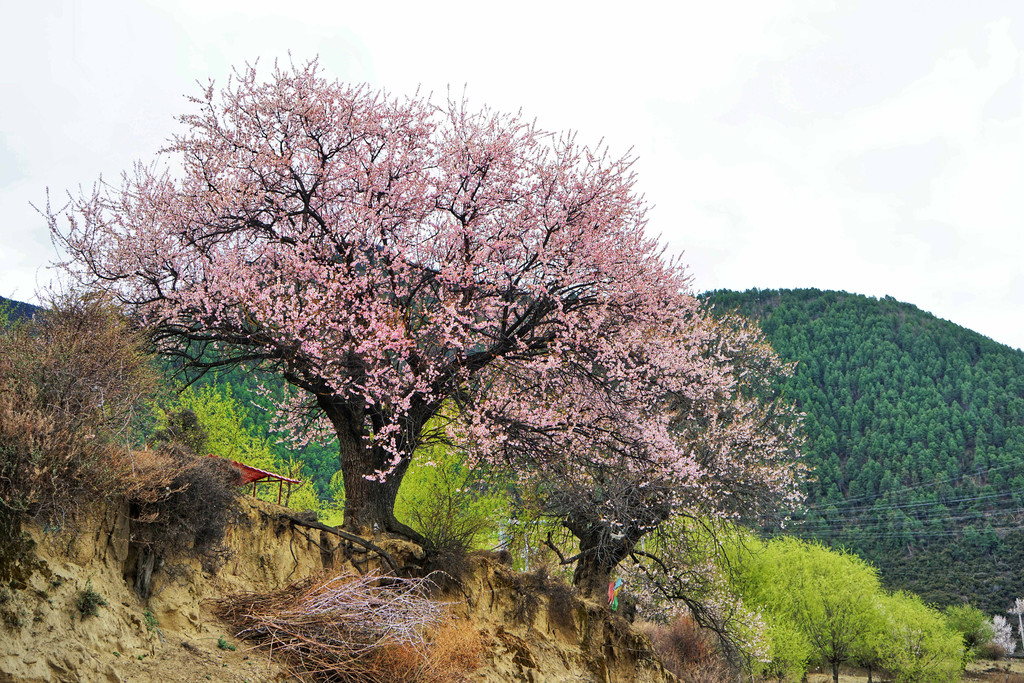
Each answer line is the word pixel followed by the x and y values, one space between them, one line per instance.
pixel 855 512
pixel 907 489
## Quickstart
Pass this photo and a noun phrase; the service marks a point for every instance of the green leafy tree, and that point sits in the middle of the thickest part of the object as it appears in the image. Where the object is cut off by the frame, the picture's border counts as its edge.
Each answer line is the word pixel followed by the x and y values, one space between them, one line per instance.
pixel 973 626
pixel 827 596
pixel 788 651
pixel 918 643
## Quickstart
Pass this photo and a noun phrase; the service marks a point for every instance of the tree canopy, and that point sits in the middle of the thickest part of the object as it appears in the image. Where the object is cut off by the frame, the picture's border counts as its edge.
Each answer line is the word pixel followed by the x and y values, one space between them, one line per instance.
pixel 828 607
pixel 387 256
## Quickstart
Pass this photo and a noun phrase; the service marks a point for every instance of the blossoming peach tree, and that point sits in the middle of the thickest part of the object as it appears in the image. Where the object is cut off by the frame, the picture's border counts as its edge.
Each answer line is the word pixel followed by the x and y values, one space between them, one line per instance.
pixel 387 257
pixel 674 417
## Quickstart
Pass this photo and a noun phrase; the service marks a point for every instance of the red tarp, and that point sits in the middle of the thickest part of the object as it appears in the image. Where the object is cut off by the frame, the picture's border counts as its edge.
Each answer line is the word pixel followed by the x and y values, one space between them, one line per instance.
pixel 250 474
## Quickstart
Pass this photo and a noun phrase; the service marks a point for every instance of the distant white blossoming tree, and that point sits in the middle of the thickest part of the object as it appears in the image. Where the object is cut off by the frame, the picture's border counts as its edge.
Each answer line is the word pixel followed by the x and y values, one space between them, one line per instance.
pixel 1003 637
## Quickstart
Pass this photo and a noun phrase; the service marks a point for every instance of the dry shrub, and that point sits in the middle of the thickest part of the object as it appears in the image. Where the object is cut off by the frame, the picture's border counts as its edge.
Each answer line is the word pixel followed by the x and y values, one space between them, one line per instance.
pixel 74 381
pixel 451 654
pixel 191 514
pixel 530 588
pixel 150 473
pixel 366 629
pixel 450 523
pixel 447 569
pixel 75 384
pixel 991 651
pixel 391 663
pixel 688 650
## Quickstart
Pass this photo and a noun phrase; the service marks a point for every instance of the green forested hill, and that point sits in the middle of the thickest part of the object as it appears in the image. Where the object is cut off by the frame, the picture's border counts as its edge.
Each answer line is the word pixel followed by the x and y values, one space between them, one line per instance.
pixel 915 434
pixel 11 309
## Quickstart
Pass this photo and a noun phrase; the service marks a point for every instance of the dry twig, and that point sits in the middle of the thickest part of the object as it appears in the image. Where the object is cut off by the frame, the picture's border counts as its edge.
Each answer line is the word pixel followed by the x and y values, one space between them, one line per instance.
pixel 327 629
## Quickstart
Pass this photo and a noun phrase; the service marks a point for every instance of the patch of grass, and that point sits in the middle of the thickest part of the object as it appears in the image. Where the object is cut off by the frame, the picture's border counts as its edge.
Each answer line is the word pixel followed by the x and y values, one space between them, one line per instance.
pixel 151 622
pixel 223 644
pixel 89 601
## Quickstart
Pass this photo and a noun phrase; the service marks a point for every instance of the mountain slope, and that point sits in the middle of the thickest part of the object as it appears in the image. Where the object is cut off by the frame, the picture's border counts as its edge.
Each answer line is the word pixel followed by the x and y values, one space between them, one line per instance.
pixel 915 432
pixel 13 310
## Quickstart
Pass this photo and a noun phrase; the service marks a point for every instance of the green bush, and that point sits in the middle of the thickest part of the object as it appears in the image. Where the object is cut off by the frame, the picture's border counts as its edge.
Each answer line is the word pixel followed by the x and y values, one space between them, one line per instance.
pixel 917 645
pixel 973 626
pixel 89 601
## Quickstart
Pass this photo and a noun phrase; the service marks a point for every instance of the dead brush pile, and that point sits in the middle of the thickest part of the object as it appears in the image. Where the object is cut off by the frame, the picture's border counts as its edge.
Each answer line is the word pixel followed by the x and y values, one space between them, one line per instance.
pixel 367 629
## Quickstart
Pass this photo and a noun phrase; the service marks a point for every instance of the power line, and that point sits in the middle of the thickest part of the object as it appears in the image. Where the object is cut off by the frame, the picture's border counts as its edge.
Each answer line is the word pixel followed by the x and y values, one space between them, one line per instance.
pixel 829 525
pixel 906 489
pixel 855 512
pixel 860 535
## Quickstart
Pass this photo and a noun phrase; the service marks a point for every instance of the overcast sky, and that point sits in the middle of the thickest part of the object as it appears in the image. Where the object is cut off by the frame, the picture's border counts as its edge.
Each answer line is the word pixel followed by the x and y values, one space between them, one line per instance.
pixel 872 147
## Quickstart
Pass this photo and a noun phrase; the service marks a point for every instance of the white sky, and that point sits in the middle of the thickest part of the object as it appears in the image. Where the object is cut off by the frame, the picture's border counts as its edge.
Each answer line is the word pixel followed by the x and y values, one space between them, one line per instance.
pixel 874 147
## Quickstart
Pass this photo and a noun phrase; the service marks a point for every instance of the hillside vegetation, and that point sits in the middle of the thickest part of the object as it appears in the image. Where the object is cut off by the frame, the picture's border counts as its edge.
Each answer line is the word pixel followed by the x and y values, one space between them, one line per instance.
pixel 13 310
pixel 915 438
pixel 915 435
pixel 85 418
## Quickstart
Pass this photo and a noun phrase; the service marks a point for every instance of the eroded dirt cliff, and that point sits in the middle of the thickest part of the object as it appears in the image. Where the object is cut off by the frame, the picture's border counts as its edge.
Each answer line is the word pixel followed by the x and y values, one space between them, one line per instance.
pixel 173 636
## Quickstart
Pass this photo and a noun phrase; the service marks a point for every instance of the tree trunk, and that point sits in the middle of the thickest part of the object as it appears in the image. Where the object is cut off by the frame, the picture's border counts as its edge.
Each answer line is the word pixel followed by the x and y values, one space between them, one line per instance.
pixel 592 576
pixel 599 555
pixel 835 672
pixel 1020 625
pixel 144 571
pixel 369 502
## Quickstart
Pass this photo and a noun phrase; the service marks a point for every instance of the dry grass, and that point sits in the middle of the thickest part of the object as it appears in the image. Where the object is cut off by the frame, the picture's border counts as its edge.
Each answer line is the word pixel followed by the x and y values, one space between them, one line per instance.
pixel 987 671
pixel 455 647
pixel 450 654
pixel 993 671
pixel 688 651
